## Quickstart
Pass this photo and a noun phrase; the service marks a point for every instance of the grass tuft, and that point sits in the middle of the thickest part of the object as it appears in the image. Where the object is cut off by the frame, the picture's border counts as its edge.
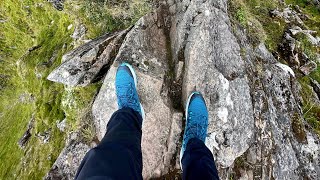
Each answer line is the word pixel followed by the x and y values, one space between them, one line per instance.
pixel 311 110
pixel 241 16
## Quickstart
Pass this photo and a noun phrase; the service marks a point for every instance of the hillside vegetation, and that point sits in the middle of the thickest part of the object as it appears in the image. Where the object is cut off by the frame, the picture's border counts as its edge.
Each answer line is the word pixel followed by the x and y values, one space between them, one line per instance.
pixel 33 38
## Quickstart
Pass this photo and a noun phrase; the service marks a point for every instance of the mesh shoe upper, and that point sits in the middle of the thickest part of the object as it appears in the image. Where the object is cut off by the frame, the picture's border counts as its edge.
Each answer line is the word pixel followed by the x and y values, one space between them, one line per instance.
pixel 197 120
pixel 126 88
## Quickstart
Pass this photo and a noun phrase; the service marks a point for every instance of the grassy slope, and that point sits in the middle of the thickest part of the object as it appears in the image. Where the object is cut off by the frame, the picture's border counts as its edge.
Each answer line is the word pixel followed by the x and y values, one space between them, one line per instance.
pixel 30 23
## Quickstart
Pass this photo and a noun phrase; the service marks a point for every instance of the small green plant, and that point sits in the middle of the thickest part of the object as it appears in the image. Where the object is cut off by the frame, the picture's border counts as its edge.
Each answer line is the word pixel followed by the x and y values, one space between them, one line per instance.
pixel 241 16
pixel 238 165
pixel 88 132
pixel 307 47
pixel 298 128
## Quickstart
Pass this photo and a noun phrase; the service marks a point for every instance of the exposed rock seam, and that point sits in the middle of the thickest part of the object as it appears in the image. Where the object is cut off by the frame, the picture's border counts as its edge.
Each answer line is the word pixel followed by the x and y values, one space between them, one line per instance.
pixel 115 43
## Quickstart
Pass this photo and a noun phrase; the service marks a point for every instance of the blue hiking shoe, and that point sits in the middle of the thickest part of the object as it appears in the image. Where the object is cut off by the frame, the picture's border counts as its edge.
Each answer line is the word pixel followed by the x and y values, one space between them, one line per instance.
pixel 126 89
pixel 196 121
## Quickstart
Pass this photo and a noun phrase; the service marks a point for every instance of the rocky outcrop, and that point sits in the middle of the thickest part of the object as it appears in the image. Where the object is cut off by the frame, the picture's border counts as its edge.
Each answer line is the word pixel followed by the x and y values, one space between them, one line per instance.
pixel 278 149
pixel 57 4
pixel 256 125
pixel 291 48
pixel 62 125
pixel 23 141
pixel 69 160
pixel 316 87
pixel 288 14
pixel 84 65
pixel 308 67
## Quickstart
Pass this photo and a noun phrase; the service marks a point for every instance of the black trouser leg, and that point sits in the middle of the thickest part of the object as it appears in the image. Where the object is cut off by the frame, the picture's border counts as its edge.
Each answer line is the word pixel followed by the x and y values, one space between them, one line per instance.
pixel 118 156
pixel 198 162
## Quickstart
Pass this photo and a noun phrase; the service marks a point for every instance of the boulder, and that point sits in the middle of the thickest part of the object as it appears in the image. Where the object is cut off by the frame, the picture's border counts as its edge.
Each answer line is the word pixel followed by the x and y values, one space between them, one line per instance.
pixel 289 50
pixel 317 57
pixel 288 15
pixel 316 87
pixel 79 31
pixel 84 64
pixel 263 54
pixel 57 4
pixel 62 125
pixel 26 135
pixel 296 29
pixel 44 136
pixel 308 67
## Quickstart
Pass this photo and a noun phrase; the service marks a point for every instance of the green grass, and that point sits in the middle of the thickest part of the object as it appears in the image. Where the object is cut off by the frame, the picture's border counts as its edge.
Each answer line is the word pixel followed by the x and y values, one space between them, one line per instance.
pixel 24 90
pixel 106 16
pixel 75 103
pixel 30 24
pixel 241 16
pixel 254 16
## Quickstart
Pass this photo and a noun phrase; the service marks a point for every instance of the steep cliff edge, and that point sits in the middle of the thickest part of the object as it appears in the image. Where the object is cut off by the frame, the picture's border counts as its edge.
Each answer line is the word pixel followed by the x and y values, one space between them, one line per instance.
pixel 257 128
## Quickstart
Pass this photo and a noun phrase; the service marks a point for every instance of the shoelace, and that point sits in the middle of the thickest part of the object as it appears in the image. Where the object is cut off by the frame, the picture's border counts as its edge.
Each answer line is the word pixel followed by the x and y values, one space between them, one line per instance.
pixel 127 98
pixel 196 128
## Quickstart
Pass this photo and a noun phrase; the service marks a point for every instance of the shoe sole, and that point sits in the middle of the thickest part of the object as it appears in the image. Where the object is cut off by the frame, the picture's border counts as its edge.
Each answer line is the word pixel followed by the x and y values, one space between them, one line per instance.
pixel 135 83
pixel 186 114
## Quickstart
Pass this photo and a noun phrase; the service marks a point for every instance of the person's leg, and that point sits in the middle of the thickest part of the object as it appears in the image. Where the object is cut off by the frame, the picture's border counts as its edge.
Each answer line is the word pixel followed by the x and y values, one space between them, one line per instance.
pixel 196 160
pixel 119 156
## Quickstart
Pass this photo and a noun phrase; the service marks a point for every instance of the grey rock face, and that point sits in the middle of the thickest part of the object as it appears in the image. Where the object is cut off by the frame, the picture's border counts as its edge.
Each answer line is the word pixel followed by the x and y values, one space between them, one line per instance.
pixel 256 124
pixel 79 31
pixel 216 69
